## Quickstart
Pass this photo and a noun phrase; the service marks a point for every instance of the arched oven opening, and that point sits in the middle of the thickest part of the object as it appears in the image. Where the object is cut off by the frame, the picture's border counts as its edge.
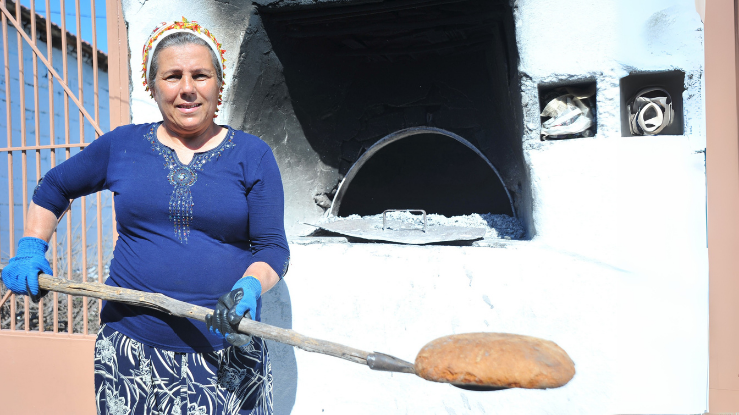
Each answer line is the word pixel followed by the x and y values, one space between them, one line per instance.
pixel 422 168
pixel 398 103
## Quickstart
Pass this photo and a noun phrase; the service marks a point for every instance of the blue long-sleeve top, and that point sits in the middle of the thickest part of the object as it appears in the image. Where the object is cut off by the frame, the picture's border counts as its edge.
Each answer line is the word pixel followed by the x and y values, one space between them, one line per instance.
pixel 186 231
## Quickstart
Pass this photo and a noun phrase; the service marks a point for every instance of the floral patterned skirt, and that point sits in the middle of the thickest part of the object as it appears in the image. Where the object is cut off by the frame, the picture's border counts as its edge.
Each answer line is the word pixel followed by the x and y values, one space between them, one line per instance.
pixel 132 378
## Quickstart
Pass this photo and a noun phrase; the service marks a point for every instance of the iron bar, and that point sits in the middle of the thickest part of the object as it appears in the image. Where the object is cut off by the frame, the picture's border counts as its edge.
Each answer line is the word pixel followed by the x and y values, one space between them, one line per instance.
pixel 96 112
pixel 423 212
pixel 5 297
pixel 67 153
pixel 80 82
pixel 99 224
pixel 118 56
pixel 5 60
pixel 37 131
pixel 8 113
pixel 24 167
pixel 52 157
pixel 11 198
pixel 83 220
pixel 67 91
pixel 45 147
pixel 95 80
pixel 70 318
pixel 83 205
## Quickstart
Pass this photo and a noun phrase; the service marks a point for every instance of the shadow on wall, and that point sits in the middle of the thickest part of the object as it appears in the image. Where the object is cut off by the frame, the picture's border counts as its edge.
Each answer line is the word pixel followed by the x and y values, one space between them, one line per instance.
pixel 277 311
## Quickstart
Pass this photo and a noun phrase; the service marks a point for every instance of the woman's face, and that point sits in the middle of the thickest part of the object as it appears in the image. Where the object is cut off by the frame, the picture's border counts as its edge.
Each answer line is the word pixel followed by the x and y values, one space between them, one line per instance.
pixel 186 89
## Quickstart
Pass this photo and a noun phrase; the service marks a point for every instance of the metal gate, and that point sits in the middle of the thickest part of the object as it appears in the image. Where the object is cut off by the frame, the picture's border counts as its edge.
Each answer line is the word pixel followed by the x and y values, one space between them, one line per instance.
pixel 50 115
pixel 60 93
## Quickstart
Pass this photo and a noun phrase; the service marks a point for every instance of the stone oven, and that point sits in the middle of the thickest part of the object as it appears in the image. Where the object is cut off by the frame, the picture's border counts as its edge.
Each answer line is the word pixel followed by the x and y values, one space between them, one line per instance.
pixel 431 98
pixel 412 103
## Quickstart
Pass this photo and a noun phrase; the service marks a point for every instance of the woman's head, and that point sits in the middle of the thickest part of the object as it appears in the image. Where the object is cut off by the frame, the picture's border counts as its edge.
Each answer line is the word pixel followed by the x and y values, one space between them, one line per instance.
pixel 186 89
pixel 183 71
pixel 175 40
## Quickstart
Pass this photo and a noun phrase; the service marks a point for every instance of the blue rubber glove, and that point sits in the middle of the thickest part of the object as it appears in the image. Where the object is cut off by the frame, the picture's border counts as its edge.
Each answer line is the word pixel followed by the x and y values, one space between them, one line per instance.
pixel 241 301
pixel 21 273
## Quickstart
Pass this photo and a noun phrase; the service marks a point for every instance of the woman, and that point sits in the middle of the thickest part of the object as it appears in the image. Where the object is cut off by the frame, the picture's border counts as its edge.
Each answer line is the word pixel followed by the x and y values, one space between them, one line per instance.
pixel 200 218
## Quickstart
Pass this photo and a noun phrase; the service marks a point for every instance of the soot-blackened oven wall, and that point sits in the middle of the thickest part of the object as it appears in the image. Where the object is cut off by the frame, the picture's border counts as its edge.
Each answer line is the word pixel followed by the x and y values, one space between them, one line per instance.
pixel 323 84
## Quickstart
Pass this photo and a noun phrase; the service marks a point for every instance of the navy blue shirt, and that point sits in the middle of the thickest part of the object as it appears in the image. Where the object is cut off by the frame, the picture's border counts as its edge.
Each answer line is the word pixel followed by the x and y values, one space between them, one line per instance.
pixel 186 231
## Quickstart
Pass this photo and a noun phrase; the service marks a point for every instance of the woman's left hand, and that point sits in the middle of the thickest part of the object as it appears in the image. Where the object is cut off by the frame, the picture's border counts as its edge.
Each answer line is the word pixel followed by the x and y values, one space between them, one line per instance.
pixel 232 307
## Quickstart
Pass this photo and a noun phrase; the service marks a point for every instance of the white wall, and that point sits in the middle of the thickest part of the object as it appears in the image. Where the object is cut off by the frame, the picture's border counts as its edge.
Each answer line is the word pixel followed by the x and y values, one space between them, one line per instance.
pixel 605 41
pixel 637 204
pixel 616 275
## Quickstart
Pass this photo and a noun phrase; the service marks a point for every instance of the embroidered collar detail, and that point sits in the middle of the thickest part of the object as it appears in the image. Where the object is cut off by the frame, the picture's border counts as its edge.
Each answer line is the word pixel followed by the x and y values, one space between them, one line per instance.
pixel 183 176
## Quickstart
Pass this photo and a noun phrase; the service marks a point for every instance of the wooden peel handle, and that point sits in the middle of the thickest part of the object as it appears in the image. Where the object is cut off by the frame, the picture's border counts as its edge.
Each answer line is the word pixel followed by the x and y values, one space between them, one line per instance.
pixel 477 361
pixel 178 308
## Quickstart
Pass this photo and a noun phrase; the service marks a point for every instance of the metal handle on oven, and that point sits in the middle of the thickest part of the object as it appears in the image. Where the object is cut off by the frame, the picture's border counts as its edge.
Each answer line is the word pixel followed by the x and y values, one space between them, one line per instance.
pixel 384 216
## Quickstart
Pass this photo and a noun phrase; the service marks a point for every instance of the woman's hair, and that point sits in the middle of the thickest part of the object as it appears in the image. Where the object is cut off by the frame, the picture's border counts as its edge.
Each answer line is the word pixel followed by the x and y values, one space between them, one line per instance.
pixel 181 39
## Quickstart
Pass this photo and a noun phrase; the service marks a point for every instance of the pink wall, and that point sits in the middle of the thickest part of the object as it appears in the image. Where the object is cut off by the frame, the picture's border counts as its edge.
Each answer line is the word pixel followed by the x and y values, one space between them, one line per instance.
pixel 723 202
pixel 46 373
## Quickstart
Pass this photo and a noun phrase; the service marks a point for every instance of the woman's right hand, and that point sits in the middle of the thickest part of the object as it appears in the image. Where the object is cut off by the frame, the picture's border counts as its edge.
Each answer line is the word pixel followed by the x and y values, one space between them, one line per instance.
pixel 240 302
pixel 21 273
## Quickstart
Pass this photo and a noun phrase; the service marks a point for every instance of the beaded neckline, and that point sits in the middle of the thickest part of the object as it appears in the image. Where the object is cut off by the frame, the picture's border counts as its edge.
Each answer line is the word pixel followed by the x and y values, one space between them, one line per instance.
pixel 216 151
pixel 183 176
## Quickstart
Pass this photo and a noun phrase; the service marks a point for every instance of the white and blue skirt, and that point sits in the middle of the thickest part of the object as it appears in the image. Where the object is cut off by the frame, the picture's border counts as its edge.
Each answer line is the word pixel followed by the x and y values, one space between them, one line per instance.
pixel 132 378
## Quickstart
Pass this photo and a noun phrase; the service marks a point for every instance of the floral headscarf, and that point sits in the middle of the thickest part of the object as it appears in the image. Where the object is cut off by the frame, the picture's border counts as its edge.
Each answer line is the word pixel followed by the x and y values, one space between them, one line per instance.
pixel 167 28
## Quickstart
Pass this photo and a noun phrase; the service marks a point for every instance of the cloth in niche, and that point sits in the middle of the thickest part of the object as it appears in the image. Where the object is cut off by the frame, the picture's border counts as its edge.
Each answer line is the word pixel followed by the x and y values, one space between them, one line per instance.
pixel 570 113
